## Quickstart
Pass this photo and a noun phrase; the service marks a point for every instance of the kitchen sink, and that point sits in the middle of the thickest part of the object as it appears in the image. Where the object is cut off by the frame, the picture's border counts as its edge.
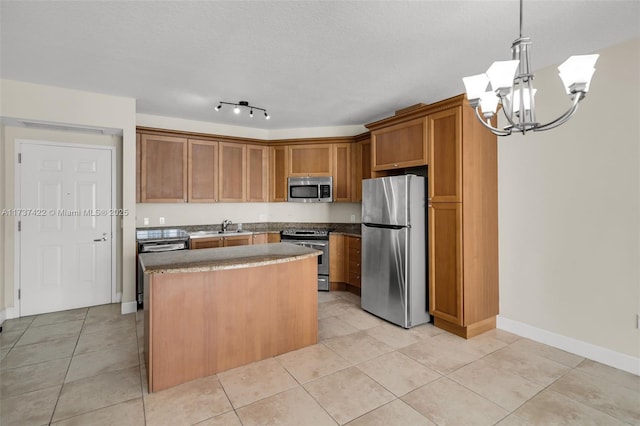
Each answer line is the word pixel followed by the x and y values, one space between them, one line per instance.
pixel 204 234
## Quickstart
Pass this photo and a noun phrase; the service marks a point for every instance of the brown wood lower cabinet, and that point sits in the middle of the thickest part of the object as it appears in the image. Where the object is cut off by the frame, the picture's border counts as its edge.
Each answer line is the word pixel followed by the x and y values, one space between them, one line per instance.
pixel 260 238
pixel 355 260
pixel 463 272
pixel 226 241
pixel 344 262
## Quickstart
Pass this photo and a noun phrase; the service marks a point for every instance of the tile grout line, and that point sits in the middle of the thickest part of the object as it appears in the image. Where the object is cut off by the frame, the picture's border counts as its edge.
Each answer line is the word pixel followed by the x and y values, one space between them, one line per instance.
pixel 144 406
pixel 68 367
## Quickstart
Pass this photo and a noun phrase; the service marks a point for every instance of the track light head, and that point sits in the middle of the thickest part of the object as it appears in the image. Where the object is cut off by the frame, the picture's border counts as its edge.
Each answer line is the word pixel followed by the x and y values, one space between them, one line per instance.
pixel 218 107
pixel 266 116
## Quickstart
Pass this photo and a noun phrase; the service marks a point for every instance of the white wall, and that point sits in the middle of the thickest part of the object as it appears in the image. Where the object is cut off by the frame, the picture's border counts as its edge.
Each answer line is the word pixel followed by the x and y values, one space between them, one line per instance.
pixel 35 102
pixel 569 215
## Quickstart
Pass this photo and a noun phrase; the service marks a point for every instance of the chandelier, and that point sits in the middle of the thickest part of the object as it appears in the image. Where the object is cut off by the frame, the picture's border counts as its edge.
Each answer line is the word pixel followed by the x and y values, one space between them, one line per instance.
pixel 511 87
pixel 244 104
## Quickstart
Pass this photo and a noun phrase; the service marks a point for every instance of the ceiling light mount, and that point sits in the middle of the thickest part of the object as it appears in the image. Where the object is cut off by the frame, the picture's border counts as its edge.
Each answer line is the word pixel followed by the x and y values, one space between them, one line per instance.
pixel 244 104
pixel 511 86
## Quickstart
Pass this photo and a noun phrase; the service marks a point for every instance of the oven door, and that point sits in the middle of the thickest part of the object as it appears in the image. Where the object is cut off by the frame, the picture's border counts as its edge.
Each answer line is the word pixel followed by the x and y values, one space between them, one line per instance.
pixel 323 246
pixel 323 259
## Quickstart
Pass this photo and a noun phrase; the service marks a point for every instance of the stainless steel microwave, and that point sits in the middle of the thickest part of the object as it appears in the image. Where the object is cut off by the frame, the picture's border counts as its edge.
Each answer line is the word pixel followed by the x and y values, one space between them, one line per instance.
pixel 310 189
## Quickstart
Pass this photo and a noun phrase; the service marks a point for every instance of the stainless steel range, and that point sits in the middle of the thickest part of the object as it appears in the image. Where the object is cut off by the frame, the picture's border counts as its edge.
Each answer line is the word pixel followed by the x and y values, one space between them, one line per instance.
pixel 154 241
pixel 317 239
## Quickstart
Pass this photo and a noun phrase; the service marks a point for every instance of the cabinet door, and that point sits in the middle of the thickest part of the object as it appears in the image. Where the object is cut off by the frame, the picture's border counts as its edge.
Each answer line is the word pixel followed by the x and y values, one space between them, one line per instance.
pixel 341 172
pixel 238 240
pixel 203 171
pixel 273 237
pixel 310 160
pixel 233 172
pixel 260 238
pixel 337 259
pixel 257 173
pixel 163 169
pixel 399 146
pixel 445 155
pixel 278 170
pixel 202 243
pixel 138 171
pixel 445 261
pixel 360 167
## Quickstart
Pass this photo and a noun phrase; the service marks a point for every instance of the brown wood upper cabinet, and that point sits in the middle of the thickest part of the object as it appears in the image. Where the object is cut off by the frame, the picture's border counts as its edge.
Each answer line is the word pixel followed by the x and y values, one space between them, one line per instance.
pixel 257 173
pixel 203 171
pixel 278 169
pixel 445 155
pixel 360 167
pixel 341 172
pixel 233 172
pixel 311 160
pixel 400 145
pixel 163 169
pixel 138 170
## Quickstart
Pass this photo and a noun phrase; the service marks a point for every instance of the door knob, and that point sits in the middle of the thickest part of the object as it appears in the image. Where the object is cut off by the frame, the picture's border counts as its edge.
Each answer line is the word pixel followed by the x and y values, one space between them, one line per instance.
pixel 104 238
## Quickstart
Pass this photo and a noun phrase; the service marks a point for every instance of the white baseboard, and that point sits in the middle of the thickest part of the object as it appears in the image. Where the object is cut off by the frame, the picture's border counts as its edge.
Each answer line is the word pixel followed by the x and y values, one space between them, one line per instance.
pixel 118 297
pixel 10 313
pixel 588 350
pixel 128 307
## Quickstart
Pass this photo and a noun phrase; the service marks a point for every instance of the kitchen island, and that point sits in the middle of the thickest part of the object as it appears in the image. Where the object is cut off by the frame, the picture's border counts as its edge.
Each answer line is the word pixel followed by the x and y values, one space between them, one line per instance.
pixel 210 310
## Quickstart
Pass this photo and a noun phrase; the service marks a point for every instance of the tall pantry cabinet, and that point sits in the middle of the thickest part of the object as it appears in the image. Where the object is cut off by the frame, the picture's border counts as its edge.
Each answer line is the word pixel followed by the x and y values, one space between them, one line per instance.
pixel 463 220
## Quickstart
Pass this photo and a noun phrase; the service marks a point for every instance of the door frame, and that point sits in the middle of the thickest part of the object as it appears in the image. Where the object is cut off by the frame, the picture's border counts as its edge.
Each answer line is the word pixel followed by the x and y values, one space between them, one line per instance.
pixel 18 202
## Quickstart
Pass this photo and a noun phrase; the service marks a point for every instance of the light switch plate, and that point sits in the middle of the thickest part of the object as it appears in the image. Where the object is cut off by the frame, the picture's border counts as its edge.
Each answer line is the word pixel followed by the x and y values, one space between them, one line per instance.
pixel 161 221
pixel 145 221
pixel 353 218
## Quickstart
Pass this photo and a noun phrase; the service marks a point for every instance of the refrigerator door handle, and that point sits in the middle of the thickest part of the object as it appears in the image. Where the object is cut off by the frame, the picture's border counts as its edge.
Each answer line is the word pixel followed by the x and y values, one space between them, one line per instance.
pixel 377 225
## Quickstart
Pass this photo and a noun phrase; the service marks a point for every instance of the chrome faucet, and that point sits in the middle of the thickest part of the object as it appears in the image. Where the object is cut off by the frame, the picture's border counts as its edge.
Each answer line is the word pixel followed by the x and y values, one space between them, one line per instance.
pixel 225 224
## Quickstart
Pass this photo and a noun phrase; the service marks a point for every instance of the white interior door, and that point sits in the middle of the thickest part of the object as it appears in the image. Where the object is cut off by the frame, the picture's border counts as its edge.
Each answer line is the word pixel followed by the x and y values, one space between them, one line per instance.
pixel 66 227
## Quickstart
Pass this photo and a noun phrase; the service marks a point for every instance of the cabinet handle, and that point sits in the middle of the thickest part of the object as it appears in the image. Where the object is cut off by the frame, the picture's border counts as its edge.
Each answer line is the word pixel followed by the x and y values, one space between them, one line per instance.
pixel 395 165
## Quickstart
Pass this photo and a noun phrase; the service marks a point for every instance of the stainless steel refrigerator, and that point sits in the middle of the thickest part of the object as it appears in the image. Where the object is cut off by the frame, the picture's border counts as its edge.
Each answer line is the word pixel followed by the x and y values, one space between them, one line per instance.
pixel 394 256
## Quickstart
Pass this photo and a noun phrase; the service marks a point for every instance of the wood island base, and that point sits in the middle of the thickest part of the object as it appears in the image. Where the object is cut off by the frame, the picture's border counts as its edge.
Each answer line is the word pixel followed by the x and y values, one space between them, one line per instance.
pixel 201 323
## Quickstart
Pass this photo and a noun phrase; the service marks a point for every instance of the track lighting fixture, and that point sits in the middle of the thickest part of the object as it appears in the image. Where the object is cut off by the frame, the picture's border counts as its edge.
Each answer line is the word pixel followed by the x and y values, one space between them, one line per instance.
pixel 237 105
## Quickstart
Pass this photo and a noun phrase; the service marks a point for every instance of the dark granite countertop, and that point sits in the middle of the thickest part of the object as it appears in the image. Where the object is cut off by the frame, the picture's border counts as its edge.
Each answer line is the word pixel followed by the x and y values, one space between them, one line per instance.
pixel 223 258
pixel 260 227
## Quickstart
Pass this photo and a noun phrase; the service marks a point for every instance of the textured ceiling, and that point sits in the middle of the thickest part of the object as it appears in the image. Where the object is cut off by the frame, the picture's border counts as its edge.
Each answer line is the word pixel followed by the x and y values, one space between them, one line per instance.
pixel 309 63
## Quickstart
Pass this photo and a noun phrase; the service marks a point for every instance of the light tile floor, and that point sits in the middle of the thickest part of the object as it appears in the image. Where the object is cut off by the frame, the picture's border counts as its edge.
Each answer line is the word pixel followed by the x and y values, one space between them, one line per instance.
pixel 84 367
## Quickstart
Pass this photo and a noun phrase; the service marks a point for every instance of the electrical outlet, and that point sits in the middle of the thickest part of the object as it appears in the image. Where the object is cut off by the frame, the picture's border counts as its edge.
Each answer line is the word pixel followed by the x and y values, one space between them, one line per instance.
pixel 161 220
pixel 353 218
pixel 145 221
